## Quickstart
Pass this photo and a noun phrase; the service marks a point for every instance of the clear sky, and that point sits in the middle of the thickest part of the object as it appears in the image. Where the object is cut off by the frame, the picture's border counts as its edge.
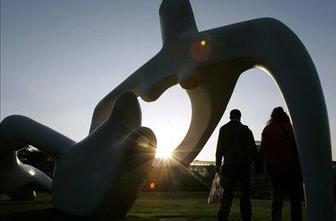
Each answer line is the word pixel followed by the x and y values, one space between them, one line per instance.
pixel 59 58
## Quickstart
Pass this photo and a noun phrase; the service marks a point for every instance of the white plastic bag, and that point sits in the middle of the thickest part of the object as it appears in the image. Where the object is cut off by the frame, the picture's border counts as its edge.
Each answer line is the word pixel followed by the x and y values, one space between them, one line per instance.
pixel 216 190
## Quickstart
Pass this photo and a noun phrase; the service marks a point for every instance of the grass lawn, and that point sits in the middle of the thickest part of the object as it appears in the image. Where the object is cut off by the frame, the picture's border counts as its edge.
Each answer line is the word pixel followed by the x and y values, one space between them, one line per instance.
pixel 192 206
pixel 148 207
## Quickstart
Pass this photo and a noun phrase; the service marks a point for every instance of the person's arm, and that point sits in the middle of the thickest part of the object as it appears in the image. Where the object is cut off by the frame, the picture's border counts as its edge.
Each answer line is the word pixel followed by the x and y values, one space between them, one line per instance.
pixel 254 153
pixel 264 144
pixel 219 152
pixel 264 140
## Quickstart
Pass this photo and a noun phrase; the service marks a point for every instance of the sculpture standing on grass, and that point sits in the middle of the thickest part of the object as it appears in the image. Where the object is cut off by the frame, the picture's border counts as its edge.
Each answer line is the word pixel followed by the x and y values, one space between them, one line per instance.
pixel 101 175
pixel 207 64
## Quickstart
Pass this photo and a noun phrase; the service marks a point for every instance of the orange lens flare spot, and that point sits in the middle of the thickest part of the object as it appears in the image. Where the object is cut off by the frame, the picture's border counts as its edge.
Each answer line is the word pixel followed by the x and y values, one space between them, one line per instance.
pixel 203 43
pixel 200 50
pixel 152 185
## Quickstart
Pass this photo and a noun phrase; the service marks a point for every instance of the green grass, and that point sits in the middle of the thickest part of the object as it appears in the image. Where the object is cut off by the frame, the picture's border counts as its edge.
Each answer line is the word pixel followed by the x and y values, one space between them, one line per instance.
pixel 148 207
pixel 192 206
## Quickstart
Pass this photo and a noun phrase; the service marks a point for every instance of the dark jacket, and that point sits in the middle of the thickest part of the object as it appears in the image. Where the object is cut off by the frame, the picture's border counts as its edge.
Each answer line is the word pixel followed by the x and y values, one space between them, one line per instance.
pixel 279 148
pixel 236 144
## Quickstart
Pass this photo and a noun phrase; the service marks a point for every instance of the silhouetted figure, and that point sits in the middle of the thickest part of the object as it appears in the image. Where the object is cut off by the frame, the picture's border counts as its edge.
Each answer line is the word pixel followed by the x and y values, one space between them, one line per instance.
pixel 236 144
pixel 282 164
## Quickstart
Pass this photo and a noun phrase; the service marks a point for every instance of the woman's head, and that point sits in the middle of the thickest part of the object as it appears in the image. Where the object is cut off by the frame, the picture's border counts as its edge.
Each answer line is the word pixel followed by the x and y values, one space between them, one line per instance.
pixel 278 114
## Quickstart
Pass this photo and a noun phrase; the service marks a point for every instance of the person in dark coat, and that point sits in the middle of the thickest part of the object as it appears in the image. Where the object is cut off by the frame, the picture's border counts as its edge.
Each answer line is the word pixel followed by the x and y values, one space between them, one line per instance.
pixel 236 144
pixel 282 164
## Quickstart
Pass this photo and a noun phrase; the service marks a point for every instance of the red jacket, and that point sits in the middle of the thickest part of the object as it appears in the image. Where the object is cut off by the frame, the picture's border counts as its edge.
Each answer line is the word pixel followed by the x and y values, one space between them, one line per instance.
pixel 279 148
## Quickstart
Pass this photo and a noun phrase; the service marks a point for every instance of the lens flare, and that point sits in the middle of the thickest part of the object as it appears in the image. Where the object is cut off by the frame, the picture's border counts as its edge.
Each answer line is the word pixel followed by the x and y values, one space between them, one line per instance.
pixel 152 185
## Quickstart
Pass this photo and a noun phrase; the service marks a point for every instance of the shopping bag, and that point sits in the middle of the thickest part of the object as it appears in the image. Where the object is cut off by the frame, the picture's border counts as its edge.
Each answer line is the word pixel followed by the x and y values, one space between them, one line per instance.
pixel 216 190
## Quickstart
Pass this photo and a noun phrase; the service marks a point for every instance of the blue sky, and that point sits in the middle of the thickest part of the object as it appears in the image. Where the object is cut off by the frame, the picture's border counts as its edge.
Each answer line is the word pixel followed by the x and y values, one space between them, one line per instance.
pixel 59 58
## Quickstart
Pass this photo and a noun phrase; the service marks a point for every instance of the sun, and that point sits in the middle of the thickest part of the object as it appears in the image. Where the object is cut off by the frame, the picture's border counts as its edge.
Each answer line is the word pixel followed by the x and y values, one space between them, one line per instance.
pixel 169 118
pixel 167 141
pixel 163 153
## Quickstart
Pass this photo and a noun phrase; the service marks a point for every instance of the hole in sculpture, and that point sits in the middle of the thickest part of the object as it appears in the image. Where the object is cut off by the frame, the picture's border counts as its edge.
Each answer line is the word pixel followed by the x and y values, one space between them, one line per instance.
pixel 255 95
pixel 169 117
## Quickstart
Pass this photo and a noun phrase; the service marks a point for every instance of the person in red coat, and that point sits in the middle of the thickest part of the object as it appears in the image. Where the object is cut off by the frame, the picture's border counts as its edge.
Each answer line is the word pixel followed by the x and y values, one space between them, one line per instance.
pixel 282 164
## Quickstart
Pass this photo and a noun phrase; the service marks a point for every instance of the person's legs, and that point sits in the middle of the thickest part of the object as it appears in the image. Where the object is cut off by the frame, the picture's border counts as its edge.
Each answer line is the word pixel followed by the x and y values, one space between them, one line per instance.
pixel 245 202
pixel 228 183
pixel 294 187
pixel 277 198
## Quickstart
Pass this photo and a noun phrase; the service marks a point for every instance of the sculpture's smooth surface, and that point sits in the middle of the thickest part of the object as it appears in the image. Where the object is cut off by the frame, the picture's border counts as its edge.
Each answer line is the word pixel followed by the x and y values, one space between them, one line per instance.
pixel 208 64
pixel 100 175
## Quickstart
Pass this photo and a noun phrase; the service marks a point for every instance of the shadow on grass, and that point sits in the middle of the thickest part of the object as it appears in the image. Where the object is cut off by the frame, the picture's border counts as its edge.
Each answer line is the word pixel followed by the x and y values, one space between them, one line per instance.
pixel 48 214
pixel 51 214
pixel 148 207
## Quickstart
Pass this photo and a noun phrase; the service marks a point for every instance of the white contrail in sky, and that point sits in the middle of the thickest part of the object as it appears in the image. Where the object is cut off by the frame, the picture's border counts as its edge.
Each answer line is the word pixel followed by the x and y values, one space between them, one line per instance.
pixel 87 30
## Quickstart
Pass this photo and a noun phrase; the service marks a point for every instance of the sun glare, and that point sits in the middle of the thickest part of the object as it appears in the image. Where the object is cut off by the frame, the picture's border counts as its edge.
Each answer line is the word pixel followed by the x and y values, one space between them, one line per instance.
pixel 166 143
pixel 169 118
pixel 163 153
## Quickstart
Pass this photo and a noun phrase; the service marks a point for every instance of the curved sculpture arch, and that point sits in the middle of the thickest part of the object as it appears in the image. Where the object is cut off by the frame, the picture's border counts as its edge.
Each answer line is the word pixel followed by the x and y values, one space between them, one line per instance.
pixel 207 64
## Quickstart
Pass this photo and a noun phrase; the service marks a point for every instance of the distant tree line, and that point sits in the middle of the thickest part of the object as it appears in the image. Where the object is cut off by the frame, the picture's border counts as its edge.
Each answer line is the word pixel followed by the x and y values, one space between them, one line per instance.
pixel 168 177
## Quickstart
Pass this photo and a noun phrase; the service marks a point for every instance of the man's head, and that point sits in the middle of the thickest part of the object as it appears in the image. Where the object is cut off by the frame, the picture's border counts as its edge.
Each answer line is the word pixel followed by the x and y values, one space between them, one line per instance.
pixel 235 114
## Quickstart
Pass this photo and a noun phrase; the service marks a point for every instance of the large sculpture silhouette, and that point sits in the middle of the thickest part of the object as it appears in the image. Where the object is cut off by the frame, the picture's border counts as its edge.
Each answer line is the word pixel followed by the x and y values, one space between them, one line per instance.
pixel 100 175
pixel 207 64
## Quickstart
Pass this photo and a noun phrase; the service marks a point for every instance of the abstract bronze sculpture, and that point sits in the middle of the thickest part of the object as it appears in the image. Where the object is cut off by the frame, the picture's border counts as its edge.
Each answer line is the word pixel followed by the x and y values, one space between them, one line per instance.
pixel 208 64
pixel 100 175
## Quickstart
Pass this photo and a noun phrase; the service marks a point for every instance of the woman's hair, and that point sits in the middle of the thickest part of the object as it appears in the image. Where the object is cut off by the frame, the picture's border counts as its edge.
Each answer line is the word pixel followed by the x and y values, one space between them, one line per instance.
pixel 278 114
